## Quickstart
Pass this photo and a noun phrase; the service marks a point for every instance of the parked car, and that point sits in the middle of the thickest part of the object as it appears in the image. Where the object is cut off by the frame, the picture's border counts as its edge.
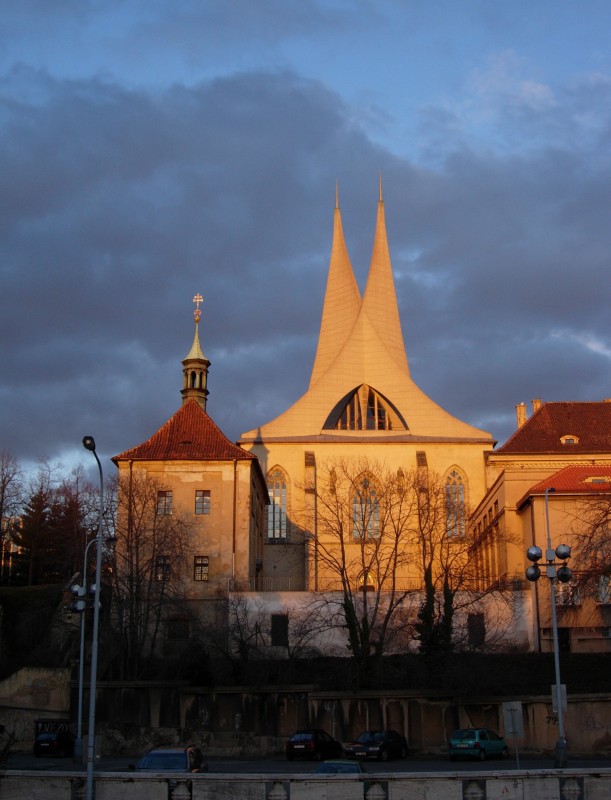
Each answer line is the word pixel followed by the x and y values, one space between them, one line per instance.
pixel 477 743
pixel 313 744
pixel 57 743
pixel 338 766
pixel 172 759
pixel 378 744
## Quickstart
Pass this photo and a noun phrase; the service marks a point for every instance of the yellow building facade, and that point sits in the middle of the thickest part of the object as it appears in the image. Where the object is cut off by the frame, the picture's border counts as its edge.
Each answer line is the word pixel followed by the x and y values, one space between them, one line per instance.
pixel 564 448
pixel 362 404
pixel 253 507
pixel 215 488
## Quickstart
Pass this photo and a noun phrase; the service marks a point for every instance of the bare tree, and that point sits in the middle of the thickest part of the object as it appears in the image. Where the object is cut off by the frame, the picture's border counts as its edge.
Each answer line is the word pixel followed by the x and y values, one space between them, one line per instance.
pixel 363 532
pixel 397 563
pixel 149 566
pixel 456 599
pixel 251 633
pixel 590 537
pixel 11 498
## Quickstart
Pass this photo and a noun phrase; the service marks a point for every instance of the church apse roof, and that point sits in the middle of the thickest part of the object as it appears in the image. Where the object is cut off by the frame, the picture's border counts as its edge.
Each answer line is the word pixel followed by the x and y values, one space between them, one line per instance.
pixel 361 361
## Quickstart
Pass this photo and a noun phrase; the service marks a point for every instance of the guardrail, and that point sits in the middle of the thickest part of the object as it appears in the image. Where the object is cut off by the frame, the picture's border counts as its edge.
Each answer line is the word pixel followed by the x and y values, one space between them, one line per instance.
pixel 551 784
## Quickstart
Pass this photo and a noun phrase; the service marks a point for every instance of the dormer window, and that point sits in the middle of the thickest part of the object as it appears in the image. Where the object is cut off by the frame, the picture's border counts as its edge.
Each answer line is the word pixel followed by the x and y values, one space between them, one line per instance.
pixel 569 439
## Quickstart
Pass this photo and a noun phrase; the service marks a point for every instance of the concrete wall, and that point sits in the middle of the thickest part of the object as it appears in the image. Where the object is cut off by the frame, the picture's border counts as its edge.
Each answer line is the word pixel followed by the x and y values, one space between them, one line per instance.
pixel 505 785
pixel 30 695
pixel 132 717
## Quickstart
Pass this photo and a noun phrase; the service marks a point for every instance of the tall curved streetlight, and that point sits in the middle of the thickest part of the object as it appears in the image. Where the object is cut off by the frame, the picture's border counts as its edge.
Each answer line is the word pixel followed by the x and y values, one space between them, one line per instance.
pixel 81 607
pixel 556 569
pixel 89 444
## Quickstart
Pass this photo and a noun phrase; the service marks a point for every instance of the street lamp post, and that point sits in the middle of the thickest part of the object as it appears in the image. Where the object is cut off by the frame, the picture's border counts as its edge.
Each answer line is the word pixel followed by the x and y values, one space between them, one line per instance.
pixel 89 444
pixel 556 569
pixel 81 591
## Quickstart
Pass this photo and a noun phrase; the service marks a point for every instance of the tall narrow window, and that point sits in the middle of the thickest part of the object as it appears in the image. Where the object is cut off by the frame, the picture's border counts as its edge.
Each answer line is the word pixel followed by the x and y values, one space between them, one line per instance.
pixel 280 630
pixel 200 568
pixel 202 501
pixel 455 505
pixel 276 510
pixel 476 630
pixel 162 568
pixel 365 511
pixel 164 503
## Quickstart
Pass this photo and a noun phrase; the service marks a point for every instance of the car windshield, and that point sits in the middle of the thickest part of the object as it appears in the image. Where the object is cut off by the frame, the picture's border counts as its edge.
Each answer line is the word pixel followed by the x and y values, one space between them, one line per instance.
pixel 163 761
pixel 466 734
pixel 301 737
pixel 366 738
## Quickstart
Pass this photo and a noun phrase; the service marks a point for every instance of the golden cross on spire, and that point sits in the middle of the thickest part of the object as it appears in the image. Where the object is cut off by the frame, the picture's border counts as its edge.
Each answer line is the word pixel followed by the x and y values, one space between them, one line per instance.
pixel 197 300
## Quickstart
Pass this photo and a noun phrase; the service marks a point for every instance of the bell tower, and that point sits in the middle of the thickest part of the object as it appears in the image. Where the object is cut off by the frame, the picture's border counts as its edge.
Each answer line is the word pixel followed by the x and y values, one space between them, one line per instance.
pixel 195 365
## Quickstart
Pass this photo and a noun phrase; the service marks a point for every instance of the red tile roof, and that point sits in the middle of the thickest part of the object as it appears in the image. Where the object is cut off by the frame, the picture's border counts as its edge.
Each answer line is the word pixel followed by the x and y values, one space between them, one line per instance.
pixel 589 423
pixel 578 480
pixel 190 435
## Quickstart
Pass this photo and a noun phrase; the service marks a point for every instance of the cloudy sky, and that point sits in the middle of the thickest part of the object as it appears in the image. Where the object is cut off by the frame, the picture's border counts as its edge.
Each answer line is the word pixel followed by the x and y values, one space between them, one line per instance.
pixel 152 149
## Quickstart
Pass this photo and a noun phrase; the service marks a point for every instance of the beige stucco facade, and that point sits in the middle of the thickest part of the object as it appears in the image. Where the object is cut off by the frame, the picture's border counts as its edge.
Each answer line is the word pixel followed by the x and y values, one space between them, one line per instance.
pixel 230 535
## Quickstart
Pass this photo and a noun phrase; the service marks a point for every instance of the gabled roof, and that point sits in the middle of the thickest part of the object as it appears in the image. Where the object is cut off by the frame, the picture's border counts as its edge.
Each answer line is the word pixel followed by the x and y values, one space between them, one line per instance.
pixel 573 480
pixel 587 424
pixel 190 435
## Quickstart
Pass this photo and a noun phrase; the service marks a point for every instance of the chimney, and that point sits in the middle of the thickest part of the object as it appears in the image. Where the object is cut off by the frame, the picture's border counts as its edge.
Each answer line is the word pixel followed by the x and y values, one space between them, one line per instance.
pixel 521 414
pixel 537 403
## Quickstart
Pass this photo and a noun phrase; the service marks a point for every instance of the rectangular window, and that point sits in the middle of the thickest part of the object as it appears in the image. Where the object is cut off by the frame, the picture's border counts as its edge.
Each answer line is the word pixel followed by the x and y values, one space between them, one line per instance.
pixel 200 568
pixel 202 501
pixel 280 630
pixel 164 503
pixel 603 593
pixel 162 568
pixel 476 630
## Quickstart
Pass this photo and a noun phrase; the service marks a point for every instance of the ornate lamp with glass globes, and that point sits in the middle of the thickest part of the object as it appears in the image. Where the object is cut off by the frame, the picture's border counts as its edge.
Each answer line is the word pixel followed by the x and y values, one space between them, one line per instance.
pixel 556 569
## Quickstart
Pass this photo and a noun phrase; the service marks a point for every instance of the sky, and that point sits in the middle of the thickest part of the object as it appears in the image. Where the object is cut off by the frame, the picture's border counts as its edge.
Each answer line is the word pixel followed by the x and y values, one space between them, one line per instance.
pixel 155 149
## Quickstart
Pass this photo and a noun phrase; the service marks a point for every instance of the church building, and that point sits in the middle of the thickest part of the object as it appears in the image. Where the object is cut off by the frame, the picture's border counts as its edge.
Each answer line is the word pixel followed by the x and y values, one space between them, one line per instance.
pixel 253 507
pixel 361 404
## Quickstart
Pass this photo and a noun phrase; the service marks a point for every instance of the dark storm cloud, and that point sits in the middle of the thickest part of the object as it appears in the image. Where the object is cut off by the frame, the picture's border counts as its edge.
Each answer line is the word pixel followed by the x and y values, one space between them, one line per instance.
pixel 119 204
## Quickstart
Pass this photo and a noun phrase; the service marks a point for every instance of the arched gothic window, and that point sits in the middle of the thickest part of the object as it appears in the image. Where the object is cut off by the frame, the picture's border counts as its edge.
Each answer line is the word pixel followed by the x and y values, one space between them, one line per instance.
pixel 365 511
pixel 366 582
pixel 276 510
pixel 455 504
pixel 364 409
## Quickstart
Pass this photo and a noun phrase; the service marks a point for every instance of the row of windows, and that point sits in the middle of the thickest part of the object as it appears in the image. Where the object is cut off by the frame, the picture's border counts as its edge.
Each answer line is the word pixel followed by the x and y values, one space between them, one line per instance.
pixel 163 568
pixel 365 508
pixel 165 499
